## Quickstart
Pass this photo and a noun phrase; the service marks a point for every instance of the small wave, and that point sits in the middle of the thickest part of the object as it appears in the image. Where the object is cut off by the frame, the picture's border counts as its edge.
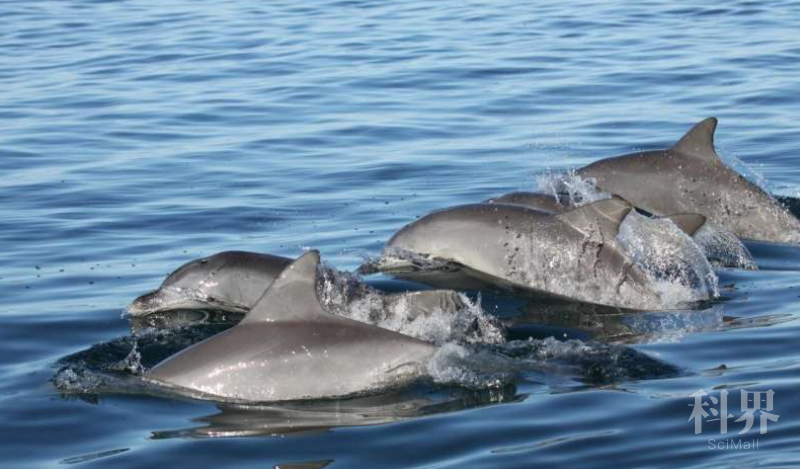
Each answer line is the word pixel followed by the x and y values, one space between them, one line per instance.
pixel 571 189
pixel 533 359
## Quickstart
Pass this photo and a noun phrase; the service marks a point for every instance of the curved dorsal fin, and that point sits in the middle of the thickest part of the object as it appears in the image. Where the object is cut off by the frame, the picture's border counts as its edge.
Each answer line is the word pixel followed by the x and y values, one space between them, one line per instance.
pixel 292 296
pixel 699 141
pixel 689 223
pixel 606 214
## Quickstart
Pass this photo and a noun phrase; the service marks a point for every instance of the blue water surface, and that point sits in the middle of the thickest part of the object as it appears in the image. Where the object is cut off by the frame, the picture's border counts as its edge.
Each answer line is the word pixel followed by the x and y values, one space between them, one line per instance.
pixel 137 135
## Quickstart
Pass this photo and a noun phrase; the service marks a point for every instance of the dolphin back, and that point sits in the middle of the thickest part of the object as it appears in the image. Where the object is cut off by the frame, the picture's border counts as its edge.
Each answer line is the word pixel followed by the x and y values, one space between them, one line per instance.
pixel 288 347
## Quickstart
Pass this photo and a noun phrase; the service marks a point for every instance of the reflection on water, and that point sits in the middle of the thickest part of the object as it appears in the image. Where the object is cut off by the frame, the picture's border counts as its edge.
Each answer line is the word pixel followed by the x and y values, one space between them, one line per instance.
pixel 314 417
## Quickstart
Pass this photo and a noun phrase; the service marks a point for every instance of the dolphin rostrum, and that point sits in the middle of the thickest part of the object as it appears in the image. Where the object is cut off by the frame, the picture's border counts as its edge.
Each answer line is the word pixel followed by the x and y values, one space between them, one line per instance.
pixel 289 348
pixel 227 281
pixel 573 254
pixel 689 177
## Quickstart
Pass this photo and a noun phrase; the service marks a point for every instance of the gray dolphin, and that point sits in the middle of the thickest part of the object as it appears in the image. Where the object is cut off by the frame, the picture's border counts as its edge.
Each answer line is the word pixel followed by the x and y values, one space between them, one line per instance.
pixel 721 247
pixel 288 348
pixel 690 177
pixel 229 281
pixel 233 281
pixel 573 254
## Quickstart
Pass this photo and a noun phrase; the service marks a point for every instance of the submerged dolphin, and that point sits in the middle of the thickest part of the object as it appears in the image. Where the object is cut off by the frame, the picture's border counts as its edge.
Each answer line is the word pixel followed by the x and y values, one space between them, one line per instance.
pixel 689 223
pixel 233 281
pixel 721 247
pixel 288 348
pixel 228 281
pixel 573 254
pixel 690 177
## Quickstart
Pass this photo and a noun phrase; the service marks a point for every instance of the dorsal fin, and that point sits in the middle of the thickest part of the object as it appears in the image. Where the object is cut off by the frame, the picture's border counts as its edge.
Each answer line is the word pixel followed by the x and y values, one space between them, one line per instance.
pixel 699 141
pixel 606 214
pixel 292 296
pixel 689 223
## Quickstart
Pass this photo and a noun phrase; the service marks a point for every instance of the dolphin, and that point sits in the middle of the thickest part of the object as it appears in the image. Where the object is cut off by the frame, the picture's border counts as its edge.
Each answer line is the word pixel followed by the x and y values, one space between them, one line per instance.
pixel 289 348
pixel 572 255
pixel 229 281
pixel 690 177
pixel 233 281
pixel 721 247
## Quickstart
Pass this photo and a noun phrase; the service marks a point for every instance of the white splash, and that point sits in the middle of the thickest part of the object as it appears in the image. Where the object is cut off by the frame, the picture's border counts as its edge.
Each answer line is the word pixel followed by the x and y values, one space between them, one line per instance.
pixel 674 262
pixel 453 318
pixel 723 248
pixel 471 367
pixel 570 188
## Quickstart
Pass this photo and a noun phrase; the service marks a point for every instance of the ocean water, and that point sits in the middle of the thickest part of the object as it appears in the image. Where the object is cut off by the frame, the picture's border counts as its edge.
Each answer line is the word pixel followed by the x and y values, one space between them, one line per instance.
pixel 137 135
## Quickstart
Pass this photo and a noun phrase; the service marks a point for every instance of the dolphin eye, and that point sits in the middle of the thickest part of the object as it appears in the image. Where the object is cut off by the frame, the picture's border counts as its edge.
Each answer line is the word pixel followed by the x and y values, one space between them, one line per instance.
pixel 204 261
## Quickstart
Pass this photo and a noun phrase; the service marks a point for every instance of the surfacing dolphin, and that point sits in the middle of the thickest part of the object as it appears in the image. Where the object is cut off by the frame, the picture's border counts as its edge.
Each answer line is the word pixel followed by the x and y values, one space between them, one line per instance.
pixel 721 247
pixel 289 348
pixel 233 281
pixel 573 255
pixel 227 281
pixel 689 177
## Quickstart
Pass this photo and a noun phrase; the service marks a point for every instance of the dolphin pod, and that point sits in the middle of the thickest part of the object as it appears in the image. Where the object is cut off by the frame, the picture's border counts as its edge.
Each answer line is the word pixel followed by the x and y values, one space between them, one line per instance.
pixel 690 177
pixel 288 347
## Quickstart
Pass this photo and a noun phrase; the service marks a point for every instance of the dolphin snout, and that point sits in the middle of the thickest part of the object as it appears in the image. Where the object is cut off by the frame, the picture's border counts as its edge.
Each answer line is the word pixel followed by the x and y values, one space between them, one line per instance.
pixel 145 304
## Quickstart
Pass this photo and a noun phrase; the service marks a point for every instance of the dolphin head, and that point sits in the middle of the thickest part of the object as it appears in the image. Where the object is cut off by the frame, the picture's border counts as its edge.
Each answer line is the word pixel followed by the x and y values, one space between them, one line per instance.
pixel 165 299
pixel 229 281
pixel 189 286
pixel 179 289
pixel 433 250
